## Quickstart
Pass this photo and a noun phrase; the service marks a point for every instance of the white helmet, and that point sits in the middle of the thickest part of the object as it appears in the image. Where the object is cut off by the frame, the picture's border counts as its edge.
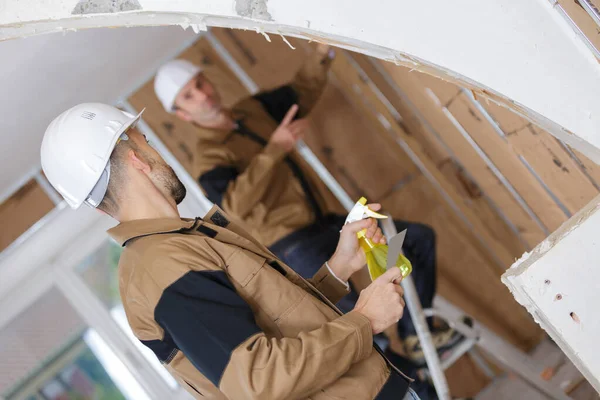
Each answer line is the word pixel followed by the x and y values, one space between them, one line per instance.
pixel 76 150
pixel 171 78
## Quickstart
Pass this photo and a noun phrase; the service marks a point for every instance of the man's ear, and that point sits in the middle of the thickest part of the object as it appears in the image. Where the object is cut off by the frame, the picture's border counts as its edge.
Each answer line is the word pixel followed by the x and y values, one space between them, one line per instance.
pixel 137 162
pixel 184 115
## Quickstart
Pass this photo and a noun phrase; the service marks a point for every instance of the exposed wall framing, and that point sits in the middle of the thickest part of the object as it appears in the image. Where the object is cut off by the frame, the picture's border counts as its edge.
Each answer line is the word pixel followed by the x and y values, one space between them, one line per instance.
pixel 465 175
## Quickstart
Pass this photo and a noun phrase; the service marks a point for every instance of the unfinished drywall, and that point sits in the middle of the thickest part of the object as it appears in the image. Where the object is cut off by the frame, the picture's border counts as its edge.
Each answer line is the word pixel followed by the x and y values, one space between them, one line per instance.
pixel 511 50
pixel 559 285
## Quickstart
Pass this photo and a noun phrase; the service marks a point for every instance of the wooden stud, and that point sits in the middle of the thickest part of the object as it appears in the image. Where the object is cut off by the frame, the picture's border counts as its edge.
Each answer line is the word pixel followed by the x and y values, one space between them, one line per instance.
pixel 554 166
pixel 469 160
pixel 507 161
pixel 490 183
pixel 583 20
pixel 590 167
pixel 406 118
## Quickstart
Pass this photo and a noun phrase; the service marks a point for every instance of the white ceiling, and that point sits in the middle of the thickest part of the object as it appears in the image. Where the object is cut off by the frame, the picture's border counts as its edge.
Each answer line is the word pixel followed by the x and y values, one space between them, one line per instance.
pixel 44 75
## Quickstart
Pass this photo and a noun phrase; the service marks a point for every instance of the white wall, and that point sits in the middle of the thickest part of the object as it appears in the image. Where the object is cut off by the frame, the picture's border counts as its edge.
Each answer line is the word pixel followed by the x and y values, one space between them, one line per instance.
pixel 42 76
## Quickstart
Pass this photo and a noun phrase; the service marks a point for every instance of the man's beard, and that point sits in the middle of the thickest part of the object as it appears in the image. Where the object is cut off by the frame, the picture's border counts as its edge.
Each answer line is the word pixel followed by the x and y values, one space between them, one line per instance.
pixel 169 181
pixel 177 188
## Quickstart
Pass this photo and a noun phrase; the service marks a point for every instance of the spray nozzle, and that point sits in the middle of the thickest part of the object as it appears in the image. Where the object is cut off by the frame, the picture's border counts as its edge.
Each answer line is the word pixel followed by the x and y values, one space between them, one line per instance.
pixel 362 211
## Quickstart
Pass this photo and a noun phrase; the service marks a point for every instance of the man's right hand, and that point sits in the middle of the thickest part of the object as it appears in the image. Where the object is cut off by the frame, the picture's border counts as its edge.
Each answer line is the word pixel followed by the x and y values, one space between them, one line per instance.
pixel 289 131
pixel 381 302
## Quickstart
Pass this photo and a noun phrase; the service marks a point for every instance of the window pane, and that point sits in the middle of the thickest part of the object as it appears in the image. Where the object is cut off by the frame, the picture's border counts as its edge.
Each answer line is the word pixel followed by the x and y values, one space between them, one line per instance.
pixel 100 272
pixel 48 352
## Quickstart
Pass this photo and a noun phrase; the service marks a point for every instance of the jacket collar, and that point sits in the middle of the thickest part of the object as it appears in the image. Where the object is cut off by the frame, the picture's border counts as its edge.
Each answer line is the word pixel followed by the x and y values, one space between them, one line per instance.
pixel 227 229
pixel 126 231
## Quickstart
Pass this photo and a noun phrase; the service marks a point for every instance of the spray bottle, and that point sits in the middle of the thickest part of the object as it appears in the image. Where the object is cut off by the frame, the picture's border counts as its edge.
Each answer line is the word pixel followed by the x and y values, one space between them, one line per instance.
pixel 376 253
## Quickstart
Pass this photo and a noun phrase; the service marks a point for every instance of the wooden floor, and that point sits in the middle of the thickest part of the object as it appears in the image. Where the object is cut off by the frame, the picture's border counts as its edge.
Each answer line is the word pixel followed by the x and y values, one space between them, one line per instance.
pixel 398 138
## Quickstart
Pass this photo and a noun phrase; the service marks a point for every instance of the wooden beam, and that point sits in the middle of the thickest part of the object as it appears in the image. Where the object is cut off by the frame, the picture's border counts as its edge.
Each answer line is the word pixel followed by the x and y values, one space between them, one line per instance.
pixel 471 162
pixel 425 96
pixel 554 166
pixel 571 187
pixel 584 21
pixel 406 115
pixel 470 191
pixel 508 121
pixel 466 379
pixel 507 161
pixel 590 167
pixel 461 179
pixel 445 91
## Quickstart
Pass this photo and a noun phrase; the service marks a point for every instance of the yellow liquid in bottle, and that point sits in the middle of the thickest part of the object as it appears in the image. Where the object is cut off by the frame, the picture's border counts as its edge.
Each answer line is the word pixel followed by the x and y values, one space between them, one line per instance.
pixel 377 255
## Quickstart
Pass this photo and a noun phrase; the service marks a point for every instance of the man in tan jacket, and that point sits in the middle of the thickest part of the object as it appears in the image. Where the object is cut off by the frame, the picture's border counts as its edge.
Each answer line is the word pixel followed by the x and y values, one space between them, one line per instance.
pixel 226 317
pixel 246 163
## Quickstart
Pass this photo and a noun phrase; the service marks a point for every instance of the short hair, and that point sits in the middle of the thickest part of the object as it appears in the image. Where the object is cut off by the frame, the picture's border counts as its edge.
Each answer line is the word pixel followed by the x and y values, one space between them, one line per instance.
pixel 118 177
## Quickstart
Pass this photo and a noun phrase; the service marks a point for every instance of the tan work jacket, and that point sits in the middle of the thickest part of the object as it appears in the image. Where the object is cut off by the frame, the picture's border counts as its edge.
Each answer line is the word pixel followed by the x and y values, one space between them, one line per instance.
pixel 272 192
pixel 231 322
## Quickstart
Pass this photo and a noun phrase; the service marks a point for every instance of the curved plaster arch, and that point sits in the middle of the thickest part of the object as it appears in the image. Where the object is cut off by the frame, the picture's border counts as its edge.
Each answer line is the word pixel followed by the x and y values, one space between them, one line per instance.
pixel 519 53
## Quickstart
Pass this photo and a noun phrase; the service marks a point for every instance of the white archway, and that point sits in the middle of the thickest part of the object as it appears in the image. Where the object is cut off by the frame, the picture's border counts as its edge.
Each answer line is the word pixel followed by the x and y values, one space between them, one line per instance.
pixel 519 52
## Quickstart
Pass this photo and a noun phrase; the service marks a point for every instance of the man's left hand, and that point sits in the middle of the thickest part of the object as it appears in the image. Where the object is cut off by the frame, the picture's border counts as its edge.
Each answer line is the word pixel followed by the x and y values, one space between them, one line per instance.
pixel 349 257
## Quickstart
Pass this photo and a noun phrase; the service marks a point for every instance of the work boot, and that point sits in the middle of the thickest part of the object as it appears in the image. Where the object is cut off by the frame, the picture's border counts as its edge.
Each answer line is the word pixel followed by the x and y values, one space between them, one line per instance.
pixel 443 340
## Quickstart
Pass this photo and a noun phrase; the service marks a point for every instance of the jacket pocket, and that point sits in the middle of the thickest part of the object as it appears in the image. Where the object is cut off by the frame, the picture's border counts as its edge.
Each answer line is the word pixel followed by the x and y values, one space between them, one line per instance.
pixel 242 266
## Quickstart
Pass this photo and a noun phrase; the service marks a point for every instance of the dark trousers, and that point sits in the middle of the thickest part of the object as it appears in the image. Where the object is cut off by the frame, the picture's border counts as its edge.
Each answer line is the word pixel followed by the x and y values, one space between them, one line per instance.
pixel 306 251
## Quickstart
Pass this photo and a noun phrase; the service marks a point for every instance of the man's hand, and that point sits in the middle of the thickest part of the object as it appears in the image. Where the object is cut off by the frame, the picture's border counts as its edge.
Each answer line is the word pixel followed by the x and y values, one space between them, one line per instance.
pixel 349 257
pixel 381 302
pixel 289 131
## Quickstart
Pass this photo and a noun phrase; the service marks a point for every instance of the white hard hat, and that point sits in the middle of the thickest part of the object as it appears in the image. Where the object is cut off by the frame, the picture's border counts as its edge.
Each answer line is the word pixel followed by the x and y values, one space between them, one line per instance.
pixel 171 78
pixel 76 150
